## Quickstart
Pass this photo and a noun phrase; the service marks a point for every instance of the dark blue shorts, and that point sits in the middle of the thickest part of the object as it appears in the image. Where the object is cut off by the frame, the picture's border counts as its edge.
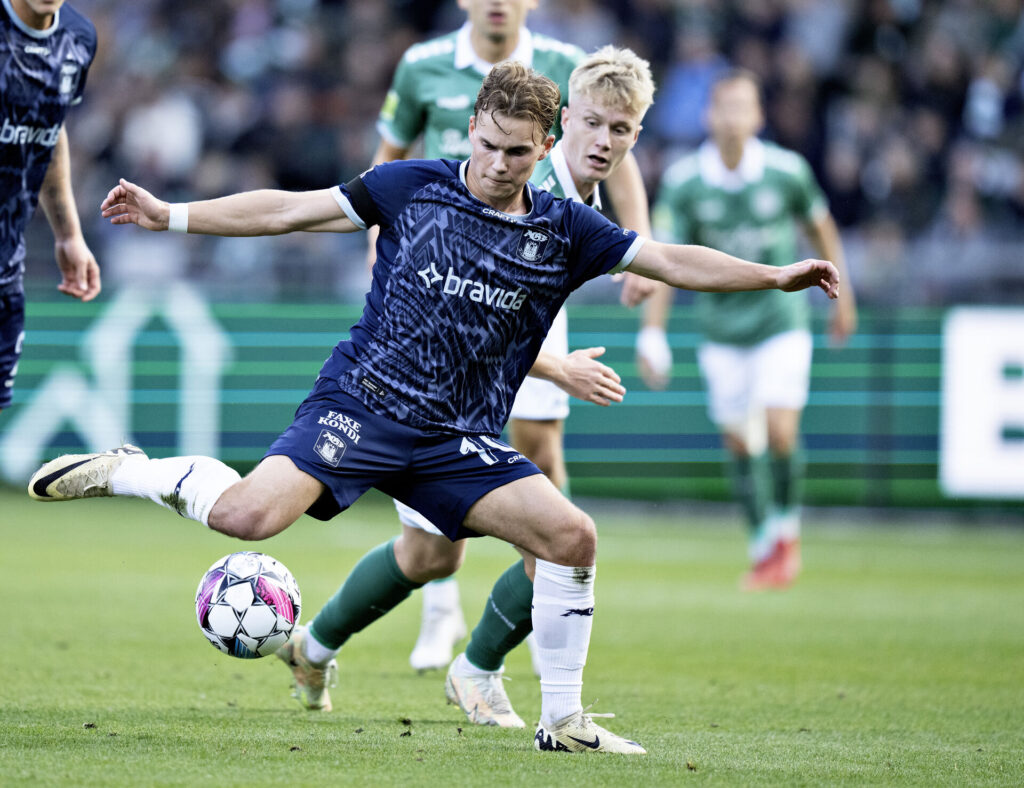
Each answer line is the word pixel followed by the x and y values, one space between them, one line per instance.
pixel 335 439
pixel 12 333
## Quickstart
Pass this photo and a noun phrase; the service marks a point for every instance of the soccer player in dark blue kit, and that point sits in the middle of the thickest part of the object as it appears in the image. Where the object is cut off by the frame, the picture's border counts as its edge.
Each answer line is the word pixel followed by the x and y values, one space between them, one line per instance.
pixel 472 266
pixel 45 52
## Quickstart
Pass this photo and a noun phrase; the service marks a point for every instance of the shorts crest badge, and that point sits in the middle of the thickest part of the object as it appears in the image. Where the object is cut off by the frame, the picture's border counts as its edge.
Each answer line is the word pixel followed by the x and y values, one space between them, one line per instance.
pixel 330 447
pixel 531 245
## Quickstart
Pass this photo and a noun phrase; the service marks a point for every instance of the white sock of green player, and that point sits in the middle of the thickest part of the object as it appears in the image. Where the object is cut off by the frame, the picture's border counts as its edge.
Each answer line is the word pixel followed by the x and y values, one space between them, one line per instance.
pixel 189 486
pixel 315 651
pixel 563 616
pixel 441 595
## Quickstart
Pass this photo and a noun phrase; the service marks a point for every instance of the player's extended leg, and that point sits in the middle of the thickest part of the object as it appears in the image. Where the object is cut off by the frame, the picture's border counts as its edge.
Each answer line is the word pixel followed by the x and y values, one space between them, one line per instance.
pixel 381 580
pixel 266 502
pixel 531 514
pixel 442 624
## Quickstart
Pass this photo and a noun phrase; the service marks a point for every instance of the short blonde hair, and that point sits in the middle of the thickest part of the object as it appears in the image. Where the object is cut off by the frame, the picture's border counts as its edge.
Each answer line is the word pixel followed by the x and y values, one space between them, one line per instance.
pixel 513 90
pixel 617 77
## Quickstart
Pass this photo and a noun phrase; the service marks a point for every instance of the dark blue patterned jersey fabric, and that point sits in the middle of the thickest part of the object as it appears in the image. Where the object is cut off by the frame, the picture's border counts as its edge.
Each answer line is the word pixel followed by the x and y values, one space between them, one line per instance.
pixel 462 295
pixel 42 74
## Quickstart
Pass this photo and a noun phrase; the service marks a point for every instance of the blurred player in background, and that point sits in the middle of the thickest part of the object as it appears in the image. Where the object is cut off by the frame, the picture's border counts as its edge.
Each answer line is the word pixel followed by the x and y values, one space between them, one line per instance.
pixel 746 197
pixel 413 400
pixel 45 53
pixel 432 97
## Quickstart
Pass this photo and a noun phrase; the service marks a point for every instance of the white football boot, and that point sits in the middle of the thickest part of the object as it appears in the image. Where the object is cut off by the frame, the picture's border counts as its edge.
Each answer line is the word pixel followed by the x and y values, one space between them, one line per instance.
pixel 440 629
pixel 579 733
pixel 310 683
pixel 483 698
pixel 73 476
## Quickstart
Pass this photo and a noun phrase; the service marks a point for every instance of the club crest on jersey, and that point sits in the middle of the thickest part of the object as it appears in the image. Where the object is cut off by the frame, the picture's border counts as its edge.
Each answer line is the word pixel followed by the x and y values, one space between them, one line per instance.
pixel 531 245
pixel 330 447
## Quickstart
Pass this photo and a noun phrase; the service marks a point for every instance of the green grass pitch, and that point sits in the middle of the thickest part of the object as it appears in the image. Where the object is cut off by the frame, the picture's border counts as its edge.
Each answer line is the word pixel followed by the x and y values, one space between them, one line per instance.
pixel 898 659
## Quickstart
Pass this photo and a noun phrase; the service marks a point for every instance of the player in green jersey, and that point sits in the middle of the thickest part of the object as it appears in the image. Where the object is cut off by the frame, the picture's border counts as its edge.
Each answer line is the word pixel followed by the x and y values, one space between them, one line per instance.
pixel 609 93
pixel 431 97
pixel 747 197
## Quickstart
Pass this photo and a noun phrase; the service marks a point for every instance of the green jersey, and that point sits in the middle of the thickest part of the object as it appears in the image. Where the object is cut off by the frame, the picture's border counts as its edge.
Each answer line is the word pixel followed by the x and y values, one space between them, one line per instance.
pixel 552 174
pixel 750 212
pixel 436 82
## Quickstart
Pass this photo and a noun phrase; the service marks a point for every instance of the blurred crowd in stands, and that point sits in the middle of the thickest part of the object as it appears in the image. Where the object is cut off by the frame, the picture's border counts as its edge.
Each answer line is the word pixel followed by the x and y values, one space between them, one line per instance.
pixel 911 113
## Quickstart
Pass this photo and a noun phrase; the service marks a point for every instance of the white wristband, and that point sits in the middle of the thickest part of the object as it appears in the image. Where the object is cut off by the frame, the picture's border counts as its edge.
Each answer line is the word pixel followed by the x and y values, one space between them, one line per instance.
pixel 652 346
pixel 177 222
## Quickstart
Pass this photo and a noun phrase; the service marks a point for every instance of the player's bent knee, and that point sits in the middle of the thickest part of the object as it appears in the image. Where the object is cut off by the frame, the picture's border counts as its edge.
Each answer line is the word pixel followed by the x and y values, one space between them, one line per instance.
pixel 424 557
pixel 575 541
pixel 436 566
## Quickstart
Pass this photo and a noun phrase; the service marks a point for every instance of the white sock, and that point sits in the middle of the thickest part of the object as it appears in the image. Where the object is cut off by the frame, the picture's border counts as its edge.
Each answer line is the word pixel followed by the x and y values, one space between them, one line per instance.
pixel 762 541
pixel 789 524
pixel 315 651
pixel 463 667
pixel 441 594
pixel 563 615
pixel 189 486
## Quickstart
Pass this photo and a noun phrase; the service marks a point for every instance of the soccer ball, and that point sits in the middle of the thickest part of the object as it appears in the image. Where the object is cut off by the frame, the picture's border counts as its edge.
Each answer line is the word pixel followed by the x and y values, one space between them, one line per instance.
pixel 247 604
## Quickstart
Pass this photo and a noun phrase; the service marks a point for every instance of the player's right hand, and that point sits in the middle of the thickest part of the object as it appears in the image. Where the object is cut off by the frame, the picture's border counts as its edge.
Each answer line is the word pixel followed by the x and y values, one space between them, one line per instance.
pixel 127 203
pixel 586 378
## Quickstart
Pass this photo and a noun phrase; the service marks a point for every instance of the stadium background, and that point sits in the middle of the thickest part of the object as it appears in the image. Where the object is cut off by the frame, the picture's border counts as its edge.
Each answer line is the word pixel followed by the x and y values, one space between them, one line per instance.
pixel 909 111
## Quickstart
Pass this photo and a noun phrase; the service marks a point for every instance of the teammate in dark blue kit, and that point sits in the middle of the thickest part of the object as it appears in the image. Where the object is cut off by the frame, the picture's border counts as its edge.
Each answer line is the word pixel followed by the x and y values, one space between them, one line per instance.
pixel 45 52
pixel 472 265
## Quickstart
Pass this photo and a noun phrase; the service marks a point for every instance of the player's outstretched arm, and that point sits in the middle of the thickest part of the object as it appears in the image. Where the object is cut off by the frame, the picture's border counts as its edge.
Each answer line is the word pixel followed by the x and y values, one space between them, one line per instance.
pixel 702 268
pixel 580 375
pixel 262 212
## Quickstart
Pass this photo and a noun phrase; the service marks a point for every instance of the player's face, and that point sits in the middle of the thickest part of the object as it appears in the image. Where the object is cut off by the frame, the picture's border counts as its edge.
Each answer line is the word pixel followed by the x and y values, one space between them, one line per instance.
pixel 734 114
pixel 596 137
pixel 37 13
pixel 497 19
pixel 505 151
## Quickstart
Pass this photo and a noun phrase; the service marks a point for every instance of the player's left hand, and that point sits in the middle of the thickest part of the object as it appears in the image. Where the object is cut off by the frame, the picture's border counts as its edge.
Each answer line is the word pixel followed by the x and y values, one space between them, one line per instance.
pixel 78 267
pixel 587 379
pixel 809 273
pixel 635 289
pixel 843 323
pixel 128 203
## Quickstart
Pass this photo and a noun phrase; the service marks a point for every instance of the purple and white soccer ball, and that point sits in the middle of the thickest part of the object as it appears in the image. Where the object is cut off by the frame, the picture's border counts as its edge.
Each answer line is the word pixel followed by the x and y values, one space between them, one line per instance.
pixel 248 604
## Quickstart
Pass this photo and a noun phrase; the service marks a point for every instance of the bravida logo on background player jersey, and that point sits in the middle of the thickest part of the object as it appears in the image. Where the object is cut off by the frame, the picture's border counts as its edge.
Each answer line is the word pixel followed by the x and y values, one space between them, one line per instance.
pixel 481 292
pixel 20 135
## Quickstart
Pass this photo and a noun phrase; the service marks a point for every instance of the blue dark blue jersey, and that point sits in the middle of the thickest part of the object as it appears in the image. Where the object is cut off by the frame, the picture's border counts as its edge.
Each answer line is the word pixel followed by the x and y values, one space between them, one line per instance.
pixel 42 73
pixel 462 294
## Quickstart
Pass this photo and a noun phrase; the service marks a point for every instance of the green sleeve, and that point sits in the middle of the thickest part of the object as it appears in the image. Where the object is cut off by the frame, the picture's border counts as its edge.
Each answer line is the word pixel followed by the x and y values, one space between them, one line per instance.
pixel 403 116
pixel 669 220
